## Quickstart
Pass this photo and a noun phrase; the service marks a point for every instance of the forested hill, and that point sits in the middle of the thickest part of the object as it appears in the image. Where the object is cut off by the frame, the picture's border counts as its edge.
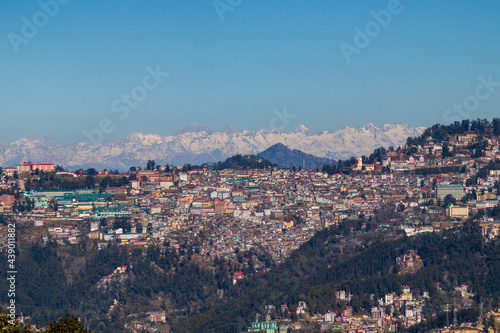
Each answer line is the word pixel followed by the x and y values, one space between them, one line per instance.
pixel 292 158
pixel 244 162
pixel 444 135
pixel 440 133
pixel 328 263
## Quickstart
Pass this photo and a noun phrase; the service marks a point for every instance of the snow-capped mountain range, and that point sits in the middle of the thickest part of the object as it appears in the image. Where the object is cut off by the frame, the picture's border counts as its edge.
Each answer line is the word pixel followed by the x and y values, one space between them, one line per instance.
pixel 196 144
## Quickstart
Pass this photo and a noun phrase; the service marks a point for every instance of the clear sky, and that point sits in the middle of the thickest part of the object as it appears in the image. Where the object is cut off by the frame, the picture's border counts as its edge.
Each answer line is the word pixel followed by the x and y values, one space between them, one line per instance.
pixel 239 61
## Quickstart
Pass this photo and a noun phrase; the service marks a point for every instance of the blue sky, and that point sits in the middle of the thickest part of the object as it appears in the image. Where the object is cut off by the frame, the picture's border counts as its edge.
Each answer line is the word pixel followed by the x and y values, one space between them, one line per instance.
pixel 263 55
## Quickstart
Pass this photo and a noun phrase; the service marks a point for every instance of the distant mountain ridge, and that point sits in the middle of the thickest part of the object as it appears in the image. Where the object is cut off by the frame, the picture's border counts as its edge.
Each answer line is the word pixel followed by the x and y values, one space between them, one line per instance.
pixel 196 144
pixel 286 157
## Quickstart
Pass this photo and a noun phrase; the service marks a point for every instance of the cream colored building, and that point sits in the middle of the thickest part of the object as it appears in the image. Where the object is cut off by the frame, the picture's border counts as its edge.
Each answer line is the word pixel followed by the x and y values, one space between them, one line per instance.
pixel 457 211
pixel 44 167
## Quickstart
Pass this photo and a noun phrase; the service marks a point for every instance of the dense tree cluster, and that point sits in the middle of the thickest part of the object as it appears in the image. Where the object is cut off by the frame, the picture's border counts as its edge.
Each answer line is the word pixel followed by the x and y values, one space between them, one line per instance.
pixel 244 162
pixel 55 280
pixel 440 133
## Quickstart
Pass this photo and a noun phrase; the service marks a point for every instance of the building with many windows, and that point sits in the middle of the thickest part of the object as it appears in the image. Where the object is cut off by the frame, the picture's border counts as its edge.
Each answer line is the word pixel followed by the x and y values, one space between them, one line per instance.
pixel 456 190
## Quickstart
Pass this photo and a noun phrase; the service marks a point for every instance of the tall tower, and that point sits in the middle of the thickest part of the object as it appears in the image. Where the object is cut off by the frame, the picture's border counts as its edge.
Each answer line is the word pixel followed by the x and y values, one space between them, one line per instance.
pixel 360 163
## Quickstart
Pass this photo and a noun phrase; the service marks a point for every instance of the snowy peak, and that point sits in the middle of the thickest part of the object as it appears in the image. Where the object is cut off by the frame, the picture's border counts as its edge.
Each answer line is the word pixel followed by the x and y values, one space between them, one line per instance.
pixel 230 129
pixel 145 139
pixel 196 144
pixel 194 128
pixel 302 129
pixel 370 127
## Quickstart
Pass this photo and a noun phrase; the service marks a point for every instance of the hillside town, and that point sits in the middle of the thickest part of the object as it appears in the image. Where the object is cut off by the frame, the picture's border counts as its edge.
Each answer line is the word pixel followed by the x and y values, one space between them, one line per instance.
pixel 408 190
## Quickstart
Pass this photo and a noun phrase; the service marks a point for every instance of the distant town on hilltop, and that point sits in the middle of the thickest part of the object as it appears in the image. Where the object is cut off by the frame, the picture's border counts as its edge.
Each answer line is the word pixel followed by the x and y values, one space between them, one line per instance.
pixel 403 238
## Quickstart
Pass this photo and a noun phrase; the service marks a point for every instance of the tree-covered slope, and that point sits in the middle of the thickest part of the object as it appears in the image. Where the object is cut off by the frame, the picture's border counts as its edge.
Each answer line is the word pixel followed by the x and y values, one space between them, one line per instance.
pixel 321 267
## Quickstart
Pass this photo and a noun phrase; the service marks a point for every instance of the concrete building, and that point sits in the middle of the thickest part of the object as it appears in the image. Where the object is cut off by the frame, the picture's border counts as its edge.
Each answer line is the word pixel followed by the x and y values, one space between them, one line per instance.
pixel 457 211
pixel 6 200
pixel 456 190
pixel 47 167
pixel 23 168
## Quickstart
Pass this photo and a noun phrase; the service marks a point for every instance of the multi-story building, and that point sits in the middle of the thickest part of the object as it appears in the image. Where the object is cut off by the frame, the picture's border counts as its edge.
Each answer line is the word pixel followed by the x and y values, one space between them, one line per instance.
pixel 457 211
pixel 456 190
pixel 23 168
pixel 47 167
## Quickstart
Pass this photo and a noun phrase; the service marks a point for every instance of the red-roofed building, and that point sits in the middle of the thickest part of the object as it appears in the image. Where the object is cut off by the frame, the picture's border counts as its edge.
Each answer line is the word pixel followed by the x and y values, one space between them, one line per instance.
pixel 24 167
pixel 44 167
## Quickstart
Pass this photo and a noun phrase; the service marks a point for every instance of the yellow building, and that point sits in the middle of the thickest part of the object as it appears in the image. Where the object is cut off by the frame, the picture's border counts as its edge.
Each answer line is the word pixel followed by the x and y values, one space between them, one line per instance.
pixel 457 211
pixel 359 165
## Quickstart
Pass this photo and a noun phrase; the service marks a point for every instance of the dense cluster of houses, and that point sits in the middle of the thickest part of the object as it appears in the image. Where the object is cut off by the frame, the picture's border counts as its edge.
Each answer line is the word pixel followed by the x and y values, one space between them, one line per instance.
pixel 224 212
pixel 273 209
pixel 392 311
